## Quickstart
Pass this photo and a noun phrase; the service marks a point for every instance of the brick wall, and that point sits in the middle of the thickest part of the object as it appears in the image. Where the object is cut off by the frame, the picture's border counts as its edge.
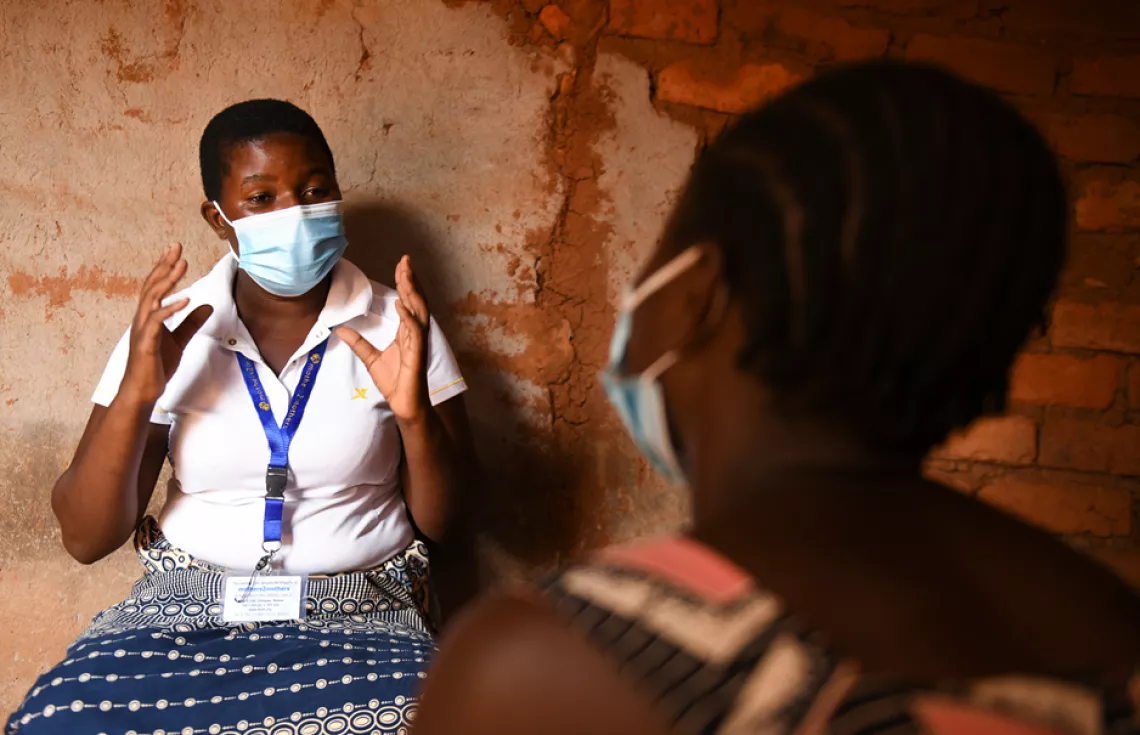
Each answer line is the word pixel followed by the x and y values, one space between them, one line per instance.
pixel 1067 455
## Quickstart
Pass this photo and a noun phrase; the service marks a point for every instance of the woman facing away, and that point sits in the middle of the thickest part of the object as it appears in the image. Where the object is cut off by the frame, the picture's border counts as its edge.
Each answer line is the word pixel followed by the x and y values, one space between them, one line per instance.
pixel 307 412
pixel 846 279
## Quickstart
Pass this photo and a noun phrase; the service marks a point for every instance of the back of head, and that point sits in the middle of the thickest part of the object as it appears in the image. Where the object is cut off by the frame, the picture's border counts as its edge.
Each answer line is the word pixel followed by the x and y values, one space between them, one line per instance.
pixel 249 121
pixel 893 234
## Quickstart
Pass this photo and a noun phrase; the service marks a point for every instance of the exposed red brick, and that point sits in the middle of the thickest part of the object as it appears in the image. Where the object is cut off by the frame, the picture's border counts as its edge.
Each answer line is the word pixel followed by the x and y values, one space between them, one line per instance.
pixel 1065 380
pixel 1110 76
pixel 1125 562
pixel 1009 68
pixel 693 21
pixel 1086 445
pixel 1134 387
pixel 1063 507
pixel 833 38
pixel 945 8
pixel 555 20
pixel 1093 138
pixel 1109 326
pixel 1108 206
pixel 1065 18
pixel 735 92
pixel 1008 439
pixel 1102 267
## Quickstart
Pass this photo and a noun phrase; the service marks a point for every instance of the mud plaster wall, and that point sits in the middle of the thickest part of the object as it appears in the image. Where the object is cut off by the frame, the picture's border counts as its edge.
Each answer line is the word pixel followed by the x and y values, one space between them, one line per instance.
pixel 524 154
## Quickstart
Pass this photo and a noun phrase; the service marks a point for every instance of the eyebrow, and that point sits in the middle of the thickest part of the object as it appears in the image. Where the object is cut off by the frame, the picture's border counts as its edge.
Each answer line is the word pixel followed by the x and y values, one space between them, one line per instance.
pixel 323 170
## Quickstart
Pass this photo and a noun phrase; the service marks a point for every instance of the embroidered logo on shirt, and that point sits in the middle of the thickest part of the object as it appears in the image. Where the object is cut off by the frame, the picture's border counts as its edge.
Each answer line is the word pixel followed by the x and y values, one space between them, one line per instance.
pixel 361 393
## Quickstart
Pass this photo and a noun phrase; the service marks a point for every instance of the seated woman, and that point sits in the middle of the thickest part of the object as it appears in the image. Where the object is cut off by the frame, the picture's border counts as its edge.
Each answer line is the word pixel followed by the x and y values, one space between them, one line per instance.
pixel 846 279
pixel 306 412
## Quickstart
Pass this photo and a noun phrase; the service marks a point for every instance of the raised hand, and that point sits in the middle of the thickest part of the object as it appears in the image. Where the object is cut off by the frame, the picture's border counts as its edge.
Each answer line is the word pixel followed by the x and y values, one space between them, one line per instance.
pixel 156 351
pixel 399 371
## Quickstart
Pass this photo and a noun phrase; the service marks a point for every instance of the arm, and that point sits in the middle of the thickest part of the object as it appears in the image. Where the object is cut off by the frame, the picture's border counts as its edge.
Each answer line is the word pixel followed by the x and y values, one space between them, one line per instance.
pixel 102 495
pixel 509 667
pixel 100 498
pixel 440 470
pixel 439 457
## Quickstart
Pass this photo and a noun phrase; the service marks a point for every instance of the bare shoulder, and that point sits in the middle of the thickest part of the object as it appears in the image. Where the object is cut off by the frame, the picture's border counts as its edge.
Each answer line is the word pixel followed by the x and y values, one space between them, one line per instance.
pixel 509 665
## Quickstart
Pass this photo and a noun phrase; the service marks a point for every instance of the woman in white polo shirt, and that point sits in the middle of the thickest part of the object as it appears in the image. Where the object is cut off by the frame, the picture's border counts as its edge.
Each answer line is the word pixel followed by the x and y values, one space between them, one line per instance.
pixel 307 412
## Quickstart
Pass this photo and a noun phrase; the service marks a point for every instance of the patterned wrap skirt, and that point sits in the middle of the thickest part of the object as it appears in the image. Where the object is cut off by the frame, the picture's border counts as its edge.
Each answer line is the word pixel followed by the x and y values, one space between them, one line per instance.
pixel 162 662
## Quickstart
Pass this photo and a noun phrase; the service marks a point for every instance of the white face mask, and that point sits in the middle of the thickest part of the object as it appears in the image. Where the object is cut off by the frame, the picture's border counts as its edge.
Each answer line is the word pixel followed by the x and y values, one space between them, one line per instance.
pixel 639 399
pixel 289 251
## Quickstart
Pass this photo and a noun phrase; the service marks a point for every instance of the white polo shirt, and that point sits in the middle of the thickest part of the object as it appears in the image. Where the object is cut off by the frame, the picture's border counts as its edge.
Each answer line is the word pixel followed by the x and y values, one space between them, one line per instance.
pixel 343 507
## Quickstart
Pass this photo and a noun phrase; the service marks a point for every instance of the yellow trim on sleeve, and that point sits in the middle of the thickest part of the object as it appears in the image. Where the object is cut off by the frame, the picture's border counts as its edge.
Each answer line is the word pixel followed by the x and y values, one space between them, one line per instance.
pixel 452 384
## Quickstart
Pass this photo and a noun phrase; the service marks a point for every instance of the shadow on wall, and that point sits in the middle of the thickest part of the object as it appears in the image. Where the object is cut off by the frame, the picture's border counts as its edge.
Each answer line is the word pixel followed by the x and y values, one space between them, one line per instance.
pixel 529 506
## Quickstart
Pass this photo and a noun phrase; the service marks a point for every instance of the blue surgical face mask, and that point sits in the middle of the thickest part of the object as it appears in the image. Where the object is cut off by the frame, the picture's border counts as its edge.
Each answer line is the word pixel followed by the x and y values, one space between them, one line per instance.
pixel 639 399
pixel 289 251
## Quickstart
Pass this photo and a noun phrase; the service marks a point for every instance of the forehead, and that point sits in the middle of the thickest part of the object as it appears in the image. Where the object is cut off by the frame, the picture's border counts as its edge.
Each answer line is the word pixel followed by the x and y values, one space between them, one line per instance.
pixel 277 153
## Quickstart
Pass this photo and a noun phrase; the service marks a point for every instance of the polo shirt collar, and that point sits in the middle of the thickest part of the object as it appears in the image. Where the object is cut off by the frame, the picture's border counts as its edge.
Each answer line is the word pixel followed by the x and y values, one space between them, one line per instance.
pixel 350 296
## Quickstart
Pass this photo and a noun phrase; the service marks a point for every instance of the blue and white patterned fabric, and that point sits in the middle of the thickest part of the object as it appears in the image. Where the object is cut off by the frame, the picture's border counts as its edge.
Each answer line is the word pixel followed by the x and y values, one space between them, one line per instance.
pixel 163 663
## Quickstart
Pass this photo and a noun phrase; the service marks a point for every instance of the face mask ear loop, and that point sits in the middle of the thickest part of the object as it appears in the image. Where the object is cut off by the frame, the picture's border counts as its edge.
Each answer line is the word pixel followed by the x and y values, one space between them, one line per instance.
pixel 231 224
pixel 655 282
pixel 651 285
pixel 223 214
pixel 658 368
pixel 661 277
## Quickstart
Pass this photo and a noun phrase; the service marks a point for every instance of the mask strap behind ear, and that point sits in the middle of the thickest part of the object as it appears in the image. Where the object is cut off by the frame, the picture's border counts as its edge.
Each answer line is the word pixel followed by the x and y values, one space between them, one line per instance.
pixel 715 314
pixel 661 277
pixel 219 208
pixel 231 224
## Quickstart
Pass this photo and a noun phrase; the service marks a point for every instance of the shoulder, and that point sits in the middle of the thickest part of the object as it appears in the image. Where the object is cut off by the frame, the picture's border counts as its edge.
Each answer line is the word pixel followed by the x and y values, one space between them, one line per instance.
pixel 510 665
pixel 213 289
pixel 383 300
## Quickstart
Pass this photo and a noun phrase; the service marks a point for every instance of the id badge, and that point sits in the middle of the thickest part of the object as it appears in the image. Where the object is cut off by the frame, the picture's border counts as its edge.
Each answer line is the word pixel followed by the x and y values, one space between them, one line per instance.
pixel 263 598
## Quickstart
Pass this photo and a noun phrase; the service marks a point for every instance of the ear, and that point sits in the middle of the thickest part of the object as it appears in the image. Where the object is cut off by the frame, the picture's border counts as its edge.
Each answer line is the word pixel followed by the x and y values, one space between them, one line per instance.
pixel 214 220
pixel 708 292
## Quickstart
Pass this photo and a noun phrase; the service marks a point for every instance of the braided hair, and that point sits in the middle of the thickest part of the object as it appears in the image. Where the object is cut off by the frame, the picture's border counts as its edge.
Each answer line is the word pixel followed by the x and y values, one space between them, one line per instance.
pixel 249 121
pixel 893 234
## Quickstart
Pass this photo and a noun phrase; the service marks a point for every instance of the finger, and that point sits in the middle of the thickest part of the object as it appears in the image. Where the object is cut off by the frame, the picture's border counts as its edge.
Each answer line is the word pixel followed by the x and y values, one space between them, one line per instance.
pixel 190 326
pixel 161 288
pixel 364 349
pixel 155 320
pixel 407 317
pixel 164 313
pixel 410 327
pixel 403 282
pixel 168 258
pixel 410 293
pixel 411 342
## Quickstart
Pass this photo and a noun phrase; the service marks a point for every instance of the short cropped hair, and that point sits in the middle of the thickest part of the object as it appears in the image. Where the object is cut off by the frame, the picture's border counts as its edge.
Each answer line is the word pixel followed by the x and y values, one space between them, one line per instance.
pixel 245 122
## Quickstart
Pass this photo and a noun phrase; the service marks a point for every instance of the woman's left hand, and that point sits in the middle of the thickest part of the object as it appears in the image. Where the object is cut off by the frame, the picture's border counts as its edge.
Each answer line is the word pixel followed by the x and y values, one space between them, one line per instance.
pixel 399 371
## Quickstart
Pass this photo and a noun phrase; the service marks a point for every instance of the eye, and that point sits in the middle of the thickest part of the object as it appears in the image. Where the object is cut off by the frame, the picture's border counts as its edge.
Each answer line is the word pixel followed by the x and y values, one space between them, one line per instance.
pixel 316 193
pixel 260 199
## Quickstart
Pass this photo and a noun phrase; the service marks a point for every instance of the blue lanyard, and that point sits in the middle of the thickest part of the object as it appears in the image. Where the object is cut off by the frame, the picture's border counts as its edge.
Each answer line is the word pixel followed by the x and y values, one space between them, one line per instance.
pixel 279 438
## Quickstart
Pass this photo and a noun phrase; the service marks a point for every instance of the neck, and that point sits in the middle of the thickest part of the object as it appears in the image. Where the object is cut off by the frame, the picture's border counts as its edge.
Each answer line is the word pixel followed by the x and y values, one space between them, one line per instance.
pixel 258 308
pixel 748 469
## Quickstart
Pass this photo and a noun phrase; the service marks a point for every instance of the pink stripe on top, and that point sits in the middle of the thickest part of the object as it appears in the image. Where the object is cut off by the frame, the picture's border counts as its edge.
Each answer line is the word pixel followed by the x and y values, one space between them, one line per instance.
pixel 942 717
pixel 686 563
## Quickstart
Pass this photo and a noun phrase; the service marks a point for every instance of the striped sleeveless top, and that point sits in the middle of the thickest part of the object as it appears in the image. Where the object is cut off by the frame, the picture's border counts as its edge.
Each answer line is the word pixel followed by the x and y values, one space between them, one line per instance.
pixel 717 654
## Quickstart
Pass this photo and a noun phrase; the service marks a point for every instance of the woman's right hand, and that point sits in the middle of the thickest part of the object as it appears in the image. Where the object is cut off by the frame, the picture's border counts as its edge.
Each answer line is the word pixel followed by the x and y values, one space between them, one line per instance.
pixel 155 351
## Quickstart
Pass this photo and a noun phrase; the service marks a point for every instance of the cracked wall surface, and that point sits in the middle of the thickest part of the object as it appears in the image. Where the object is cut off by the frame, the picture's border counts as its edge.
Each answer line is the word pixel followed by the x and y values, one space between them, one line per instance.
pixel 441 128
pixel 525 153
